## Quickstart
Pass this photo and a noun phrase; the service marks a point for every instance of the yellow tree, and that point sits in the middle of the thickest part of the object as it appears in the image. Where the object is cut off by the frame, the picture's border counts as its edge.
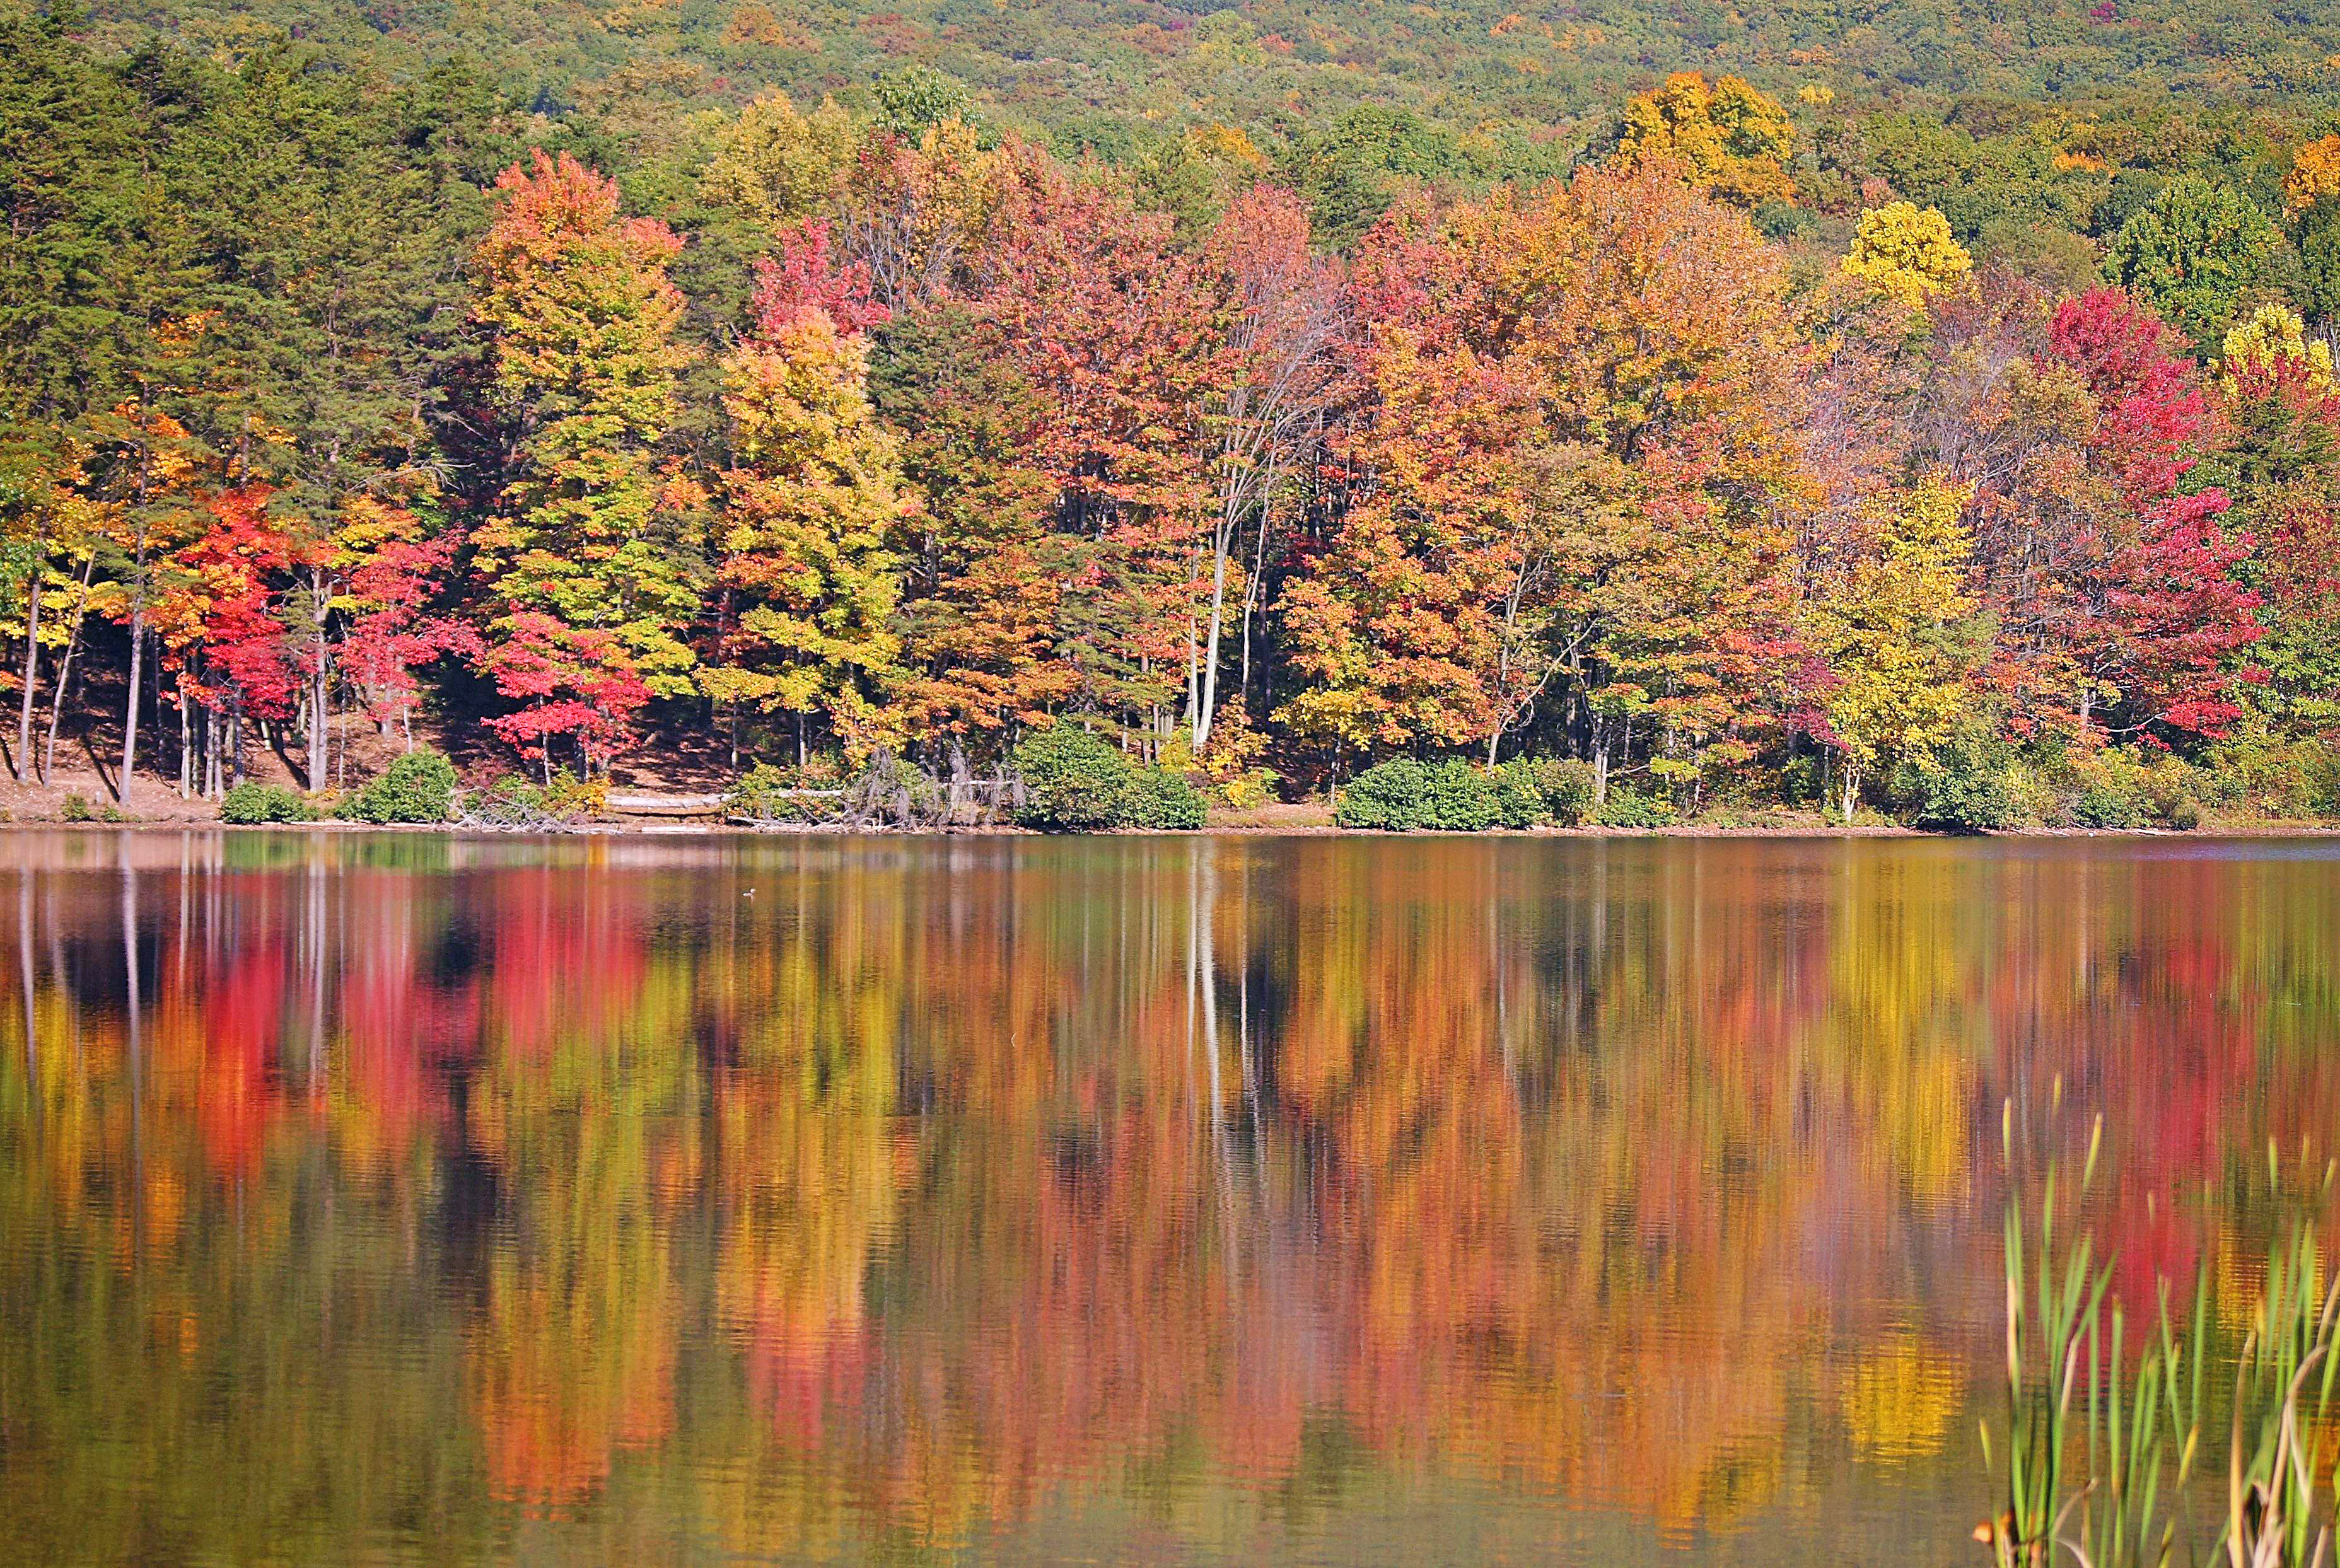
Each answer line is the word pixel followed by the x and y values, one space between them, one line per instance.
pixel 2274 347
pixel 1895 629
pixel 2314 175
pixel 1906 251
pixel 814 489
pixel 1729 138
pixel 776 165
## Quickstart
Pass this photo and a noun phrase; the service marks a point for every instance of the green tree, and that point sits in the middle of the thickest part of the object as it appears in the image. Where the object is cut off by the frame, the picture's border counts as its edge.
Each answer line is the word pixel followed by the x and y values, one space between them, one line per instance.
pixel 2194 255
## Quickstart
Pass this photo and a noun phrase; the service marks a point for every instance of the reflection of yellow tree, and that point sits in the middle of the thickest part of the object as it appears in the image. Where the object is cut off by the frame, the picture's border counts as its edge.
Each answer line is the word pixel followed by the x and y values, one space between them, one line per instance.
pixel 573 1354
pixel 1898 1398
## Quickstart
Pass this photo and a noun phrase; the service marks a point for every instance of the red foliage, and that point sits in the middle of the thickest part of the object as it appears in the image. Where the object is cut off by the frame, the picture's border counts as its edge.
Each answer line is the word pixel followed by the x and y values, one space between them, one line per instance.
pixel 573 682
pixel 807 278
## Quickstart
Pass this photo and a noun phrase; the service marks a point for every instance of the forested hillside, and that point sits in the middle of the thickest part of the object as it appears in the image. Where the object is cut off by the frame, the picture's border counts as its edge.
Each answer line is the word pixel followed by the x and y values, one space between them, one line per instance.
pixel 1915 409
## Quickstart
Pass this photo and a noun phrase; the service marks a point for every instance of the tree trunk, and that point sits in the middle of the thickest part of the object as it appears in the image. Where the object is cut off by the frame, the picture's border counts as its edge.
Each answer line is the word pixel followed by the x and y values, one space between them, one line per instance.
pixel 321 718
pixel 130 715
pixel 1851 790
pixel 64 692
pixel 31 662
pixel 1208 704
pixel 137 628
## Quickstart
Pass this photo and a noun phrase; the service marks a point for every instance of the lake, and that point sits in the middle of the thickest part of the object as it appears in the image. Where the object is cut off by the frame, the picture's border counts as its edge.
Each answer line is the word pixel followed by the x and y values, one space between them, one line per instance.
pixel 662 1200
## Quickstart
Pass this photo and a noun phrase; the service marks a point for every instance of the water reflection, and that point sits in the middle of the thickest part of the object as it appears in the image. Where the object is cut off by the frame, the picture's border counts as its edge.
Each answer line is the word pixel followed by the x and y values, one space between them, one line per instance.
pixel 1134 1199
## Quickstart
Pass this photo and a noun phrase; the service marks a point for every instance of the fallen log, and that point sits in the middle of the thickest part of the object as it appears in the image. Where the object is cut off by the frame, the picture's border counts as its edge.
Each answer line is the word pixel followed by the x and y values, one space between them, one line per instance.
pixel 631 805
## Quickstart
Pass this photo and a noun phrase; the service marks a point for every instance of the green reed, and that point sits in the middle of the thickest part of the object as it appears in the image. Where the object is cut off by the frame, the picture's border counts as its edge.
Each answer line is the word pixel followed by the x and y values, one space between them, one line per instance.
pixel 2098 1454
pixel 2285 1370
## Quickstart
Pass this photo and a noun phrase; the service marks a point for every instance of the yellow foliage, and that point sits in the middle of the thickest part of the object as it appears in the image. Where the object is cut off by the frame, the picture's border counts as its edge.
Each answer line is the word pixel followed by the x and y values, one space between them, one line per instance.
pixel 1908 252
pixel 1889 630
pixel 2271 337
pixel 1898 1399
pixel 776 165
pixel 1224 143
pixel 2314 175
pixel 1729 138
pixel 1815 94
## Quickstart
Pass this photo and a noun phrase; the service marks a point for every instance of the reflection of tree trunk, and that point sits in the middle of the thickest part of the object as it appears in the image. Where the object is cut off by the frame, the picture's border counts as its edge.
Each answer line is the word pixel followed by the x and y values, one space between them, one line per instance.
pixel 24 964
pixel 316 924
pixel 134 1007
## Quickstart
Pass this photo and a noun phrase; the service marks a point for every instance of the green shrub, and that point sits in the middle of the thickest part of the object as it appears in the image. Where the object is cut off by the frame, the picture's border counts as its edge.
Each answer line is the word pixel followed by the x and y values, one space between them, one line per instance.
pixel 1629 807
pixel 2107 802
pixel 1964 787
pixel 250 803
pixel 2170 793
pixel 1568 785
pixel 420 787
pixel 1518 803
pixel 1388 796
pixel 74 807
pixel 765 793
pixel 1457 798
pixel 1165 800
pixel 1073 781
pixel 1533 791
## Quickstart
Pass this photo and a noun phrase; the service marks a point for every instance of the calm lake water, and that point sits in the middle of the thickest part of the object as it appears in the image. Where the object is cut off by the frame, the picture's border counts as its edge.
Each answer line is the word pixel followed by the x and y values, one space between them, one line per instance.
pixel 1127 1200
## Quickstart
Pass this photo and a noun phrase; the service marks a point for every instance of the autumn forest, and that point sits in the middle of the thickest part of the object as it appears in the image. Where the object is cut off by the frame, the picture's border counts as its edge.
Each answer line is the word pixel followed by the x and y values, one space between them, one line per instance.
pixel 1762 449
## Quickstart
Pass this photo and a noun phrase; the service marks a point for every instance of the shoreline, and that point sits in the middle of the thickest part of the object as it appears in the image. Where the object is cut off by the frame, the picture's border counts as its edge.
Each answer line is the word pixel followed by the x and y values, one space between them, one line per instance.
pixel 669 828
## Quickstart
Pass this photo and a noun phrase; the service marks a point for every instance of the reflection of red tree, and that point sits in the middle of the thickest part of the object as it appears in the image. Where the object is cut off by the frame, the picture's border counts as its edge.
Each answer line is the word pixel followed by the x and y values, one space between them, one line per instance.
pixel 243 1023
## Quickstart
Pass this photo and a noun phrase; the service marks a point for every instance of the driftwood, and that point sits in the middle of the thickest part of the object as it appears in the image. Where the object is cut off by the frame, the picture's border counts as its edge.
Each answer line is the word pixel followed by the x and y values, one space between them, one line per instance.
pixel 634 805
pixel 889 795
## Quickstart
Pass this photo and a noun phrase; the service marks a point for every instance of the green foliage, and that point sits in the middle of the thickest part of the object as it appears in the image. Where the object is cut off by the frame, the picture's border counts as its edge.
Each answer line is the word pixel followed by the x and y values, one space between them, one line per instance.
pixel 2193 255
pixel 1630 808
pixel 1387 796
pixel 1519 803
pixel 1165 800
pixel 1458 797
pixel 418 788
pixel 913 97
pixel 74 808
pixel 2103 803
pixel 1451 797
pixel 1568 785
pixel 766 793
pixel 2114 791
pixel 252 803
pixel 1963 786
pixel 2264 775
pixel 1073 781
